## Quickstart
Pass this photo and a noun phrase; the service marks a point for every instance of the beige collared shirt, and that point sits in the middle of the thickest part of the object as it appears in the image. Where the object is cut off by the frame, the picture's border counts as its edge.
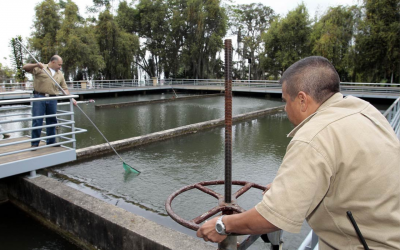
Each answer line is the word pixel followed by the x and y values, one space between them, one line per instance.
pixel 44 84
pixel 344 157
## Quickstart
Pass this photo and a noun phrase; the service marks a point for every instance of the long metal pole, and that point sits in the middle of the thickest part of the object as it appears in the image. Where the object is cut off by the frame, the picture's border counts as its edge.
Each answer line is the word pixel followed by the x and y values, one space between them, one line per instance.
pixel 94 125
pixel 230 243
pixel 228 120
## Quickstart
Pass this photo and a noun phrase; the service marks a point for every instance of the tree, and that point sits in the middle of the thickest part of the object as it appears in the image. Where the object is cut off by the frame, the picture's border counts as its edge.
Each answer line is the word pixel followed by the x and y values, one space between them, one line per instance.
pixel 204 28
pixel 287 41
pixel 117 48
pixel 378 42
pixel 78 46
pixel 248 23
pixel 47 23
pixel 152 25
pixel 180 38
pixel 18 58
pixel 5 72
pixel 333 36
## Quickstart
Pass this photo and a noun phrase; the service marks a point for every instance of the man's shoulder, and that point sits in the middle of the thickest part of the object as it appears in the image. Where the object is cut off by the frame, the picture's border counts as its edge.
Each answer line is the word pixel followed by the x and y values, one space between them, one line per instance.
pixel 37 70
pixel 342 112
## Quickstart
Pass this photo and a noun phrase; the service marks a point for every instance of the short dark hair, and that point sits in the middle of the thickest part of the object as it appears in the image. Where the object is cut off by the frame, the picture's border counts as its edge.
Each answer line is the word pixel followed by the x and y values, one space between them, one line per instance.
pixel 314 75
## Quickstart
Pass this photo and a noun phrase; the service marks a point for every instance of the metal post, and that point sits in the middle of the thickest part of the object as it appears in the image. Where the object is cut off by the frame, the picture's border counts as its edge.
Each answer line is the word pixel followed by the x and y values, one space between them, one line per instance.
pixel 228 120
pixel 71 108
pixel 249 72
pixel 249 61
pixel 230 243
pixel 32 174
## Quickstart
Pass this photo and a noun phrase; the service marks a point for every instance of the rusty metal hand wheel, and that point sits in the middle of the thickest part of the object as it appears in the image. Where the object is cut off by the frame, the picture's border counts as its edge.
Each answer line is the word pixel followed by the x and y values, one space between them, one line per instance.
pixel 222 206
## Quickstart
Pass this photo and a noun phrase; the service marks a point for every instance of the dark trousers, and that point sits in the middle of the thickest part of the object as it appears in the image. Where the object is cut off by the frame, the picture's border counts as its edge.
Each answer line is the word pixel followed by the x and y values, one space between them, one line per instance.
pixel 44 108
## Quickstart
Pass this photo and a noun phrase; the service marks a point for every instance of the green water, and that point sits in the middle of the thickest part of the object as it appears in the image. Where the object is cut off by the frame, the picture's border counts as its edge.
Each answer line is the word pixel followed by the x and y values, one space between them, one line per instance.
pixel 258 147
pixel 126 122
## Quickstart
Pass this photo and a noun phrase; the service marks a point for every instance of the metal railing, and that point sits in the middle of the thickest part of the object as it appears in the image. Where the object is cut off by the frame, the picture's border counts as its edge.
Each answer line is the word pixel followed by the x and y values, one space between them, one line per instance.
pixel 310 242
pixel 18 124
pixel 380 89
pixel 392 114
pixel 15 86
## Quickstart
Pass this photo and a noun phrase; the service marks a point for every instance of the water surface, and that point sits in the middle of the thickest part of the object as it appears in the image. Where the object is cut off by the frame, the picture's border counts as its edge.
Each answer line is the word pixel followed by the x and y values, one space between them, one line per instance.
pixel 258 147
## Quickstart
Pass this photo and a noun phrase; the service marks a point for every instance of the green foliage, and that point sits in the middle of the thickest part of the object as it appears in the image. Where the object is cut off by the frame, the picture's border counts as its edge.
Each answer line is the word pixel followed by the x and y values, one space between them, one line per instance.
pixel 18 58
pixel 287 41
pixel 152 25
pixel 332 37
pixel 117 48
pixel 184 38
pixel 248 22
pixel 204 27
pixel 78 45
pixel 47 23
pixel 5 72
pixel 378 41
pixel 179 35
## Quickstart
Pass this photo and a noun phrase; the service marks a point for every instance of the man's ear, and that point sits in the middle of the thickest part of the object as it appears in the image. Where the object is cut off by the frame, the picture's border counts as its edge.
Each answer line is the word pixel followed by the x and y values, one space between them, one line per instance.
pixel 303 99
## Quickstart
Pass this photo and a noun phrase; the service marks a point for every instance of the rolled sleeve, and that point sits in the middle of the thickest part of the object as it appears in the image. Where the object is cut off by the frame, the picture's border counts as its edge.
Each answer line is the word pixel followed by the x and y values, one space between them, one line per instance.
pixel 302 181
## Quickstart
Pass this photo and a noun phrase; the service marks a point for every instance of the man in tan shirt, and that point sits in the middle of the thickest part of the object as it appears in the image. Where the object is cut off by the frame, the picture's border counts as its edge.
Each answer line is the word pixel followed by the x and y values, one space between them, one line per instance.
pixel 44 86
pixel 344 156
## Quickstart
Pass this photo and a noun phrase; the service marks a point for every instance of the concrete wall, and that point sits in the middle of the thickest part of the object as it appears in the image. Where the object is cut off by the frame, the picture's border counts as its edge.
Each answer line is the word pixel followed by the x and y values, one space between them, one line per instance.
pixel 101 149
pixel 3 192
pixel 92 223
pixel 126 104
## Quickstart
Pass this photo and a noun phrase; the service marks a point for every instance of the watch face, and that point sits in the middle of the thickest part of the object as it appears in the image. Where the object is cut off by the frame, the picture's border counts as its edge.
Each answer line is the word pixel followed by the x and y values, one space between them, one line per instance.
pixel 219 227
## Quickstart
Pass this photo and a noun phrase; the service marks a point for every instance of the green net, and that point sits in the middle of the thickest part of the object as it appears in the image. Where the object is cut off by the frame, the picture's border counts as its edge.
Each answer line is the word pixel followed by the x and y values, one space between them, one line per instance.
pixel 130 169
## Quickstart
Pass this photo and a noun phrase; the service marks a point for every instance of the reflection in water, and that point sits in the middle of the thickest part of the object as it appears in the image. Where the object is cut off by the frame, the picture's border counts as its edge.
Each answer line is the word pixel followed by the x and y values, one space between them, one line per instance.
pixel 126 122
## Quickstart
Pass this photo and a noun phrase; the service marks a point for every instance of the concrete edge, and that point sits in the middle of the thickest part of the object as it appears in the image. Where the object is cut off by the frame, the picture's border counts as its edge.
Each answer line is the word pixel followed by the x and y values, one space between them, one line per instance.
pixel 137 103
pixel 94 222
pixel 104 148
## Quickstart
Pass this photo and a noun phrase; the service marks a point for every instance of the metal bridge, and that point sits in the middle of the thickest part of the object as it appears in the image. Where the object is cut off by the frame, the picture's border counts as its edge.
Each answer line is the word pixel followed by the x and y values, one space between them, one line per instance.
pixel 16 154
pixel 362 90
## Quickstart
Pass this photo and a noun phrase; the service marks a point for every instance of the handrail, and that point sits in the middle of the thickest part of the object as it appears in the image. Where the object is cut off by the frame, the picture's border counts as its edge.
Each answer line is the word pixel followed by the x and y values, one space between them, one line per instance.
pixel 392 114
pixel 84 84
pixel 13 125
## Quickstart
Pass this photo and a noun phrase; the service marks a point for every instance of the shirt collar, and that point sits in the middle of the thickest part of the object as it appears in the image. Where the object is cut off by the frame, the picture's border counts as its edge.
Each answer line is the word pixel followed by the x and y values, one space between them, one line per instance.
pixel 53 72
pixel 333 99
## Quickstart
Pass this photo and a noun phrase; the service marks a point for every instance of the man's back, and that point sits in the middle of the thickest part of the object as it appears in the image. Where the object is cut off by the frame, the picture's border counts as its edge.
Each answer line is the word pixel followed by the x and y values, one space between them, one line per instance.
pixel 363 153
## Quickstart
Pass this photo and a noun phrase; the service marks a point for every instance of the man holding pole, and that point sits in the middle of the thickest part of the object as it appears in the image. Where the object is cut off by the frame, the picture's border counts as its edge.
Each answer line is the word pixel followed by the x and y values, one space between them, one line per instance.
pixel 44 86
pixel 343 160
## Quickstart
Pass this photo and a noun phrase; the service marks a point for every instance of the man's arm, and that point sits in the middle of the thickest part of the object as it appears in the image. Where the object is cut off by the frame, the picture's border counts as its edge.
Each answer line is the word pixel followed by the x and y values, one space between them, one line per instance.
pixel 30 66
pixel 73 100
pixel 250 222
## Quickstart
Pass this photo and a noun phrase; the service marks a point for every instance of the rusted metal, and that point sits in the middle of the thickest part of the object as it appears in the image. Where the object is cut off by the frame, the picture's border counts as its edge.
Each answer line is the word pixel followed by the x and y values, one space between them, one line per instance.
pixel 224 207
pixel 227 203
pixel 228 120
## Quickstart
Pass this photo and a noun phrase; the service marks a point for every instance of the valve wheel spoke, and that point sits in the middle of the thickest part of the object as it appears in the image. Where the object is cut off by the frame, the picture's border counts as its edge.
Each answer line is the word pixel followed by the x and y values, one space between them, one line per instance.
pixel 213 211
pixel 222 207
pixel 208 191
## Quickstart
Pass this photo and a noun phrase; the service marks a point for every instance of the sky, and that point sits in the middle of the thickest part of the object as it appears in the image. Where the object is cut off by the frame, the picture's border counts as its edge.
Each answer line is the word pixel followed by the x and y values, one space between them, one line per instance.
pixel 17 16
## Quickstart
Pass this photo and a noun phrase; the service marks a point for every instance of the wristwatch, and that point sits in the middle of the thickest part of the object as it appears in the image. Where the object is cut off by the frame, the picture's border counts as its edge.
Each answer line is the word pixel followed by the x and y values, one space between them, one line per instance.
pixel 220 227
